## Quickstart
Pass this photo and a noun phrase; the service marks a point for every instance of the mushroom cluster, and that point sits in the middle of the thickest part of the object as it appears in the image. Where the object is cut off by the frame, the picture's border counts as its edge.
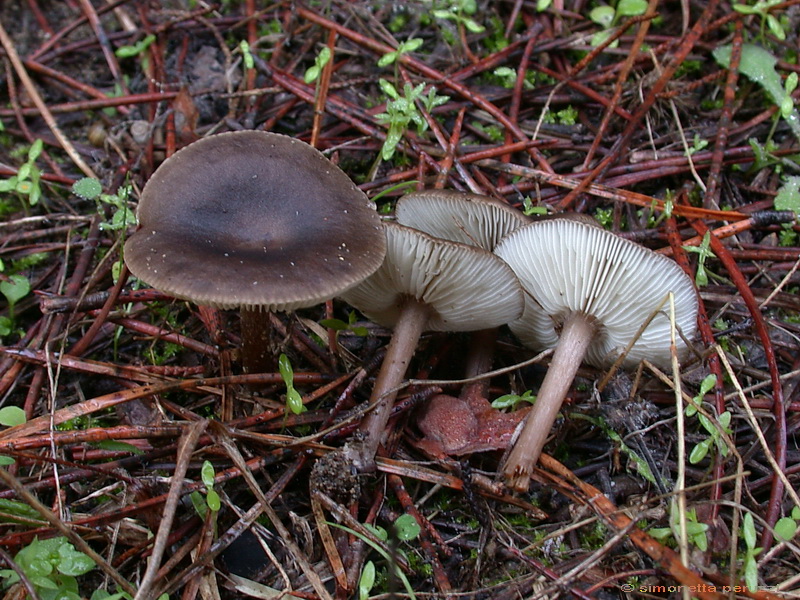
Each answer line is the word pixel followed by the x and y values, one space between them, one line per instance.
pixel 590 294
pixel 257 221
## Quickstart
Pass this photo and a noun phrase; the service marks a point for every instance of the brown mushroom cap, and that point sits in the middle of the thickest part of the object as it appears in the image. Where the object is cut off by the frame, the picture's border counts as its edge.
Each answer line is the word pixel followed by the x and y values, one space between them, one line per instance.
pixel 459 216
pixel 466 288
pixel 253 219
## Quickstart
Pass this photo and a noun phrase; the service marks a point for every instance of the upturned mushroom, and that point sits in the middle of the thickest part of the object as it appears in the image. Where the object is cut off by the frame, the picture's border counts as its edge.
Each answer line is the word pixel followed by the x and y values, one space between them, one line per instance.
pixel 426 283
pixel 459 216
pixel 257 221
pixel 588 294
pixel 467 423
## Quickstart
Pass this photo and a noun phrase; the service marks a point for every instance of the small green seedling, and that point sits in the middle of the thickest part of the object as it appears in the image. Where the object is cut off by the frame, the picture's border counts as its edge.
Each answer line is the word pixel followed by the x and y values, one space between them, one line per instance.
pixel 26 182
pixel 758 65
pixel 762 8
pixel 714 438
pixel 314 71
pixel 703 252
pixel 639 464
pixel 706 386
pixel 750 565
pixel 406 529
pixel 512 400
pixel 212 500
pixel 698 144
pixel 122 217
pixel 786 527
pixel 137 48
pixel 247 56
pixel 339 325
pixel 401 111
pixel 294 401
pixel 52 566
pixel 461 12
pixel 391 58
pixel 529 210
pixel 608 16
pixel 695 531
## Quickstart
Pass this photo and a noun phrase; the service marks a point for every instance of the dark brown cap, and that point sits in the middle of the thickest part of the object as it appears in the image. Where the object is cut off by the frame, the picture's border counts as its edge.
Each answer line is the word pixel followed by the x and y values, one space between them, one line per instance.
pixel 253 219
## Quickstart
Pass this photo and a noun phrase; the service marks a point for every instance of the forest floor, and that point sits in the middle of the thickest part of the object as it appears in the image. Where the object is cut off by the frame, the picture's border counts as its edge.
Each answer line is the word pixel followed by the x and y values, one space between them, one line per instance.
pixel 141 461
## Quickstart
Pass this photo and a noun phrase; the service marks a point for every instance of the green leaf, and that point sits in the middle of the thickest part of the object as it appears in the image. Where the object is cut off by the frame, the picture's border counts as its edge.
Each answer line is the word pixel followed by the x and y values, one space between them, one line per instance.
pixel 11 416
pixel 758 65
pixel 745 9
pixel 631 8
pixel 387 59
pixel 775 27
pixel 6 461
pixel 311 75
pixel 473 27
pixel 35 150
pixel 785 529
pixel 406 527
pixel 213 500
pixel 116 446
pixel 335 324
pixel 388 89
pixel 602 15
pixel 366 581
pixel 796 513
pixel 199 503
pixel 751 572
pixel 207 474
pixel 73 562
pixel 700 451
pixel 19 509
pixel 788 196
pixel 707 384
pixel 247 57
pixel 15 289
pixel 790 84
pixel 285 369
pixel 749 531
pixel 294 401
pixel 378 531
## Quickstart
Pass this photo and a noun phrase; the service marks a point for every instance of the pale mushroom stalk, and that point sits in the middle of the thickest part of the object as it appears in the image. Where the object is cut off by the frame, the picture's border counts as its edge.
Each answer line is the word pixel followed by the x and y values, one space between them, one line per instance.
pixel 407 332
pixel 576 335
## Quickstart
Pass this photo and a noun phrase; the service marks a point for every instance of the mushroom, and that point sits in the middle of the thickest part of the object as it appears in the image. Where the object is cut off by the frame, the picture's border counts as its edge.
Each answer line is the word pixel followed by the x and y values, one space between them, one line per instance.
pixel 426 283
pixel 479 221
pixel 588 293
pixel 459 216
pixel 254 220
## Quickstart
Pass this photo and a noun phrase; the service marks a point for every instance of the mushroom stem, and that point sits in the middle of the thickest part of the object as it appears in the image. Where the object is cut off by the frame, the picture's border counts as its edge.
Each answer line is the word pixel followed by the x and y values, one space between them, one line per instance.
pixel 479 361
pixel 257 354
pixel 407 331
pixel 576 335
